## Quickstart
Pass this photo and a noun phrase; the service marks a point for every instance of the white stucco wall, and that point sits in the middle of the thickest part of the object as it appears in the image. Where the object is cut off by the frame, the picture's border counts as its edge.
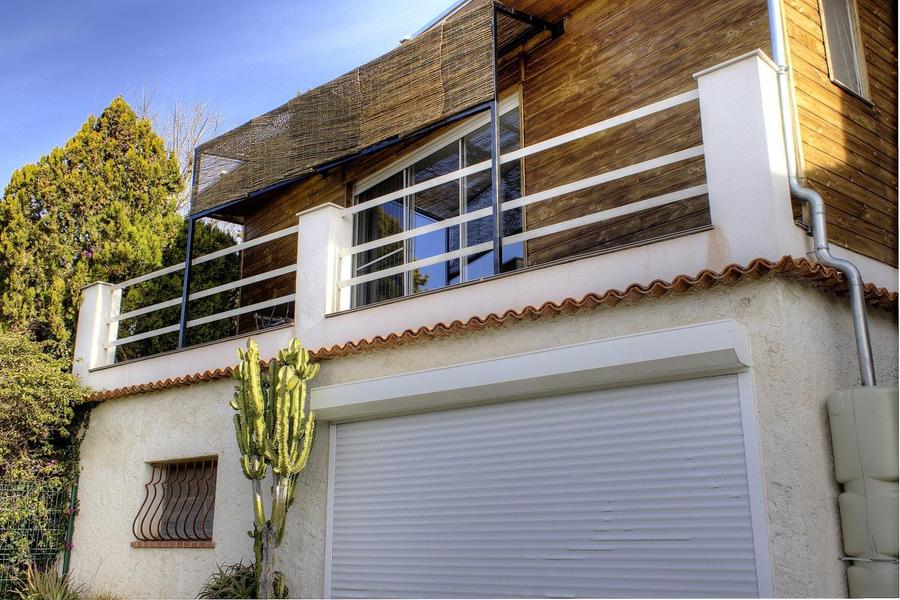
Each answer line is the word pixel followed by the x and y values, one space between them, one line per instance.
pixel 802 349
pixel 181 423
pixel 801 346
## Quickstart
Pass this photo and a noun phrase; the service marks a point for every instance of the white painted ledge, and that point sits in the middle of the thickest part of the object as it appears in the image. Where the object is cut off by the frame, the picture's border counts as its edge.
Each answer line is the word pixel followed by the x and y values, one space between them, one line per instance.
pixel 190 361
pixel 705 349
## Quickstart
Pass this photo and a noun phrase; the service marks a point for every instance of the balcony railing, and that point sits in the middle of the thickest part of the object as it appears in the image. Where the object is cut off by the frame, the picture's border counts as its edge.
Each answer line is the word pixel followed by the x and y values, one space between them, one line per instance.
pixel 346 254
pixel 527 200
pixel 737 205
pixel 183 324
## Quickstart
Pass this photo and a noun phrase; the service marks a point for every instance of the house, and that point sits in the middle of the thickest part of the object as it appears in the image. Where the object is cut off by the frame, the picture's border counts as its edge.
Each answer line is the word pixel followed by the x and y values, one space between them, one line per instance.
pixel 581 275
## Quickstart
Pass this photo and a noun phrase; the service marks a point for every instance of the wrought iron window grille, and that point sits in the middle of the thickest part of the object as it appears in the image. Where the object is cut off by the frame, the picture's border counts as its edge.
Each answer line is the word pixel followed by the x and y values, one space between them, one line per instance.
pixel 179 502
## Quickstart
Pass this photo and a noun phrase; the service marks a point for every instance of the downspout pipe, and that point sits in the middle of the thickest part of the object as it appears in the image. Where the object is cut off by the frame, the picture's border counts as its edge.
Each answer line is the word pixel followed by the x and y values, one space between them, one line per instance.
pixel 817 205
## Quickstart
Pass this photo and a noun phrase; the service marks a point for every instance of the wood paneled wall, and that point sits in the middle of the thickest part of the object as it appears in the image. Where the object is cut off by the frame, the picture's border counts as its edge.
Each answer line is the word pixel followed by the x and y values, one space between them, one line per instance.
pixel 617 56
pixel 850 146
pixel 614 57
pixel 277 212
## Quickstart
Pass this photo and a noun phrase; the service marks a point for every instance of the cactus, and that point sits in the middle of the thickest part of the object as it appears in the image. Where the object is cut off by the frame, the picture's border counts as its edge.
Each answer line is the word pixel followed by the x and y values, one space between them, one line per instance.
pixel 274 427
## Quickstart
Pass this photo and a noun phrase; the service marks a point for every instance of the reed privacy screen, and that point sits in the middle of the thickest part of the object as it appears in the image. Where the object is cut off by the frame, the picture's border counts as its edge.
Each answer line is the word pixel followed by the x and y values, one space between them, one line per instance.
pixel 444 71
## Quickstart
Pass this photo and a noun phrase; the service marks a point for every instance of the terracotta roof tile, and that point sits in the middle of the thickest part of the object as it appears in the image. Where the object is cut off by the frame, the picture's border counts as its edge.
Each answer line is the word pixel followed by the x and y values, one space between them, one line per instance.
pixel 802 269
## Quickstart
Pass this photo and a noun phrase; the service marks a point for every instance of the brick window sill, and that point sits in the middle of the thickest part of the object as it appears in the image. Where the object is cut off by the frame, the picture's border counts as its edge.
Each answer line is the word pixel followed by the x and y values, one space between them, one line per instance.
pixel 173 544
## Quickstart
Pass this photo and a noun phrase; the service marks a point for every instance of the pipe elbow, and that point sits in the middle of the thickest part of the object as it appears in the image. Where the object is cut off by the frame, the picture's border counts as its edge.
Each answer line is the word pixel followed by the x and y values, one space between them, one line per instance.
pixel 816 205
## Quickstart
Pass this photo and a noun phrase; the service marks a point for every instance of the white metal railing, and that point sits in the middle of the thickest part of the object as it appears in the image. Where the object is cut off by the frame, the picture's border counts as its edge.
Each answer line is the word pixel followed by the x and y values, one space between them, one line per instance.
pixel 346 254
pixel 529 199
pixel 244 281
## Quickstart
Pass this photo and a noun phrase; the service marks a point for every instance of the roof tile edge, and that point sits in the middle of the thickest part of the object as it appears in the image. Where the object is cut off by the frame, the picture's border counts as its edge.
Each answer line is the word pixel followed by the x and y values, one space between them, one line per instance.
pixel 802 269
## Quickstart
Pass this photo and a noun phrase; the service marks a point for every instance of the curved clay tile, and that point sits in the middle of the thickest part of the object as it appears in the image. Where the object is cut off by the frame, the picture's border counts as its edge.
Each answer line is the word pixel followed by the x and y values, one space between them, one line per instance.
pixel 822 277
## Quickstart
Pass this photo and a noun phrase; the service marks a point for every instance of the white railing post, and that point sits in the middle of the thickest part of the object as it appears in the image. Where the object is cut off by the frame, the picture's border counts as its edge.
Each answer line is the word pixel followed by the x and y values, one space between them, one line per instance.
pixel 323 233
pixel 746 168
pixel 99 303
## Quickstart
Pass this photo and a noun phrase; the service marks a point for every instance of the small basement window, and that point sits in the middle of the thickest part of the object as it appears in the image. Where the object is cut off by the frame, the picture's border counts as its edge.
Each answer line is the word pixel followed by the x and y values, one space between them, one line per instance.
pixel 466 145
pixel 843 45
pixel 179 503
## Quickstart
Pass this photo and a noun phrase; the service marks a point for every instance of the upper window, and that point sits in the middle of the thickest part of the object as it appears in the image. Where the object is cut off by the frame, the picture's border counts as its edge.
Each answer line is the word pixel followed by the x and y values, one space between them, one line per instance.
pixel 179 503
pixel 469 145
pixel 846 61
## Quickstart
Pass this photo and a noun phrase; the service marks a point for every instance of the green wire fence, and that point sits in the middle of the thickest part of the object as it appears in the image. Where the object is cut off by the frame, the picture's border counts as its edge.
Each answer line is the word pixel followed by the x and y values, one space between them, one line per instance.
pixel 35 526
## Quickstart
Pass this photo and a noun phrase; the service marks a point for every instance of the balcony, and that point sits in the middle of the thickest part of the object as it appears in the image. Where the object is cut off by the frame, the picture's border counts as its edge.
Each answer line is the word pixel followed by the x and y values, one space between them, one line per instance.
pixel 749 214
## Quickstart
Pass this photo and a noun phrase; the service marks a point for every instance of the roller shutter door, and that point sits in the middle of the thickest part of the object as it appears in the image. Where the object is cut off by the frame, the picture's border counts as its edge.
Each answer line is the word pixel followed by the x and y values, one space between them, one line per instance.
pixel 635 492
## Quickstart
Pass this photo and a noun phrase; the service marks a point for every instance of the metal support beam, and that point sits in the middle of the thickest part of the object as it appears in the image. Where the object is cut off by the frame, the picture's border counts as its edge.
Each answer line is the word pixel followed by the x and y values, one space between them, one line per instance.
pixel 195 174
pixel 495 155
pixel 555 29
pixel 186 284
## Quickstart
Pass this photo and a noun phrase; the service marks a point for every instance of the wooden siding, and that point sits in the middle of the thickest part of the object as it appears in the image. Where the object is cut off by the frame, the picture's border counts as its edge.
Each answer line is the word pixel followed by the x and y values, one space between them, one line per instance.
pixel 277 212
pixel 614 57
pixel 849 146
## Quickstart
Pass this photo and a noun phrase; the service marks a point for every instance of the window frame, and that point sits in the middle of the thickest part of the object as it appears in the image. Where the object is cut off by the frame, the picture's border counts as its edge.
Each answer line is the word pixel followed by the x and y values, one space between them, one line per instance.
pixel 403 166
pixel 858 49
pixel 471 124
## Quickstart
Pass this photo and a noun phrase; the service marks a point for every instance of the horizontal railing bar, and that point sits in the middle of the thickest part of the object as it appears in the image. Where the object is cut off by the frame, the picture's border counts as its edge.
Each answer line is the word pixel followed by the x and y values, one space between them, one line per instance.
pixel 530 199
pixel 380 258
pixel 147 309
pixel 202 320
pixel 207 292
pixel 141 336
pixel 621 119
pixel 244 245
pixel 424 262
pixel 604 215
pixel 419 187
pixel 568 188
pixel 411 233
pixel 149 276
pixel 553 142
pixel 211 256
pixel 242 282
pixel 241 310
pixel 588 182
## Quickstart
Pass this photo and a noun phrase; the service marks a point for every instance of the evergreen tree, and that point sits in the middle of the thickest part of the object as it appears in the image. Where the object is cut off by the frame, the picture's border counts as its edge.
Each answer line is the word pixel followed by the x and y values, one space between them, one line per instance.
pixel 207 239
pixel 102 207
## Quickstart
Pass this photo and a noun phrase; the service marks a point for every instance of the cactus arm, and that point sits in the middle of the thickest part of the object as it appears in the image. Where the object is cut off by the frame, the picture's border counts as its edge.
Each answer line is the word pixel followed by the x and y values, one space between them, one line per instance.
pixel 308 434
pixel 259 511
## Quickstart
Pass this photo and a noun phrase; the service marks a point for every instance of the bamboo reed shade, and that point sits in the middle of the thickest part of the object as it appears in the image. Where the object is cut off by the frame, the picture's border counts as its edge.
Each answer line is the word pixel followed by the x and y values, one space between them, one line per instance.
pixel 439 73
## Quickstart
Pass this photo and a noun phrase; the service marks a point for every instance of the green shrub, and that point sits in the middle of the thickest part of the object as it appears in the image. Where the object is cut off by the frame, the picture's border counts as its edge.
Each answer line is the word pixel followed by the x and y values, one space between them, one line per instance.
pixel 238 581
pixel 40 414
pixel 48 585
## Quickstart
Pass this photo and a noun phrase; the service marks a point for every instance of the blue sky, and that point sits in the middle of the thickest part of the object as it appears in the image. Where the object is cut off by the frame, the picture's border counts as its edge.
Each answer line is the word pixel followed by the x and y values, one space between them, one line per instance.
pixel 63 60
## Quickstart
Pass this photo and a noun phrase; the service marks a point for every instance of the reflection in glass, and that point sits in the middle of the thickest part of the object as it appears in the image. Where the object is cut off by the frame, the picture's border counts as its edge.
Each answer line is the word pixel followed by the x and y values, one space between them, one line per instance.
pixel 445 201
pixel 374 224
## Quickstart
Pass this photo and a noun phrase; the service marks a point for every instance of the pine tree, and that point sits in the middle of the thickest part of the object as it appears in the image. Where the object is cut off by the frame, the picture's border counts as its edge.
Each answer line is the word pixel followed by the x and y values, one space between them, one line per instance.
pixel 102 207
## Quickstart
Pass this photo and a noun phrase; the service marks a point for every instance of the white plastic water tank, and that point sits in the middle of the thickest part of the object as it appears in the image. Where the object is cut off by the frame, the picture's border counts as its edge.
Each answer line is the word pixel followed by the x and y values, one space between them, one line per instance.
pixel 864 438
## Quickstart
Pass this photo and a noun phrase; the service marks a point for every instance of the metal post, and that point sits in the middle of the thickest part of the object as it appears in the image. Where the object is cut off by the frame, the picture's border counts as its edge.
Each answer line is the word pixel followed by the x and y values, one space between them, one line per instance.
pixel 495 153
pixel 195 175
pixel 70 527
pixel 186 284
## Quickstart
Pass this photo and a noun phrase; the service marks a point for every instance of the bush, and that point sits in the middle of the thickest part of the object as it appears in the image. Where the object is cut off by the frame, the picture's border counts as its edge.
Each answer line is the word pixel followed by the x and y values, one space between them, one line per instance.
pixel 207 239
pixel 40 413
pixel 238 581
pixel 48 585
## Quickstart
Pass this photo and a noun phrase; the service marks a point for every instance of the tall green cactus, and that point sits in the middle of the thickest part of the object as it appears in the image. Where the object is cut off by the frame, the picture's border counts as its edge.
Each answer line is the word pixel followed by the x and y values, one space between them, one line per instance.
pixel 274 427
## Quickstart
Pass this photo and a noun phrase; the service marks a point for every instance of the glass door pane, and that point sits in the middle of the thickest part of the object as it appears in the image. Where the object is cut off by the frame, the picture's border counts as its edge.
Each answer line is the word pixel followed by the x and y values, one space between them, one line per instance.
pixel 430 206
pixel 374 224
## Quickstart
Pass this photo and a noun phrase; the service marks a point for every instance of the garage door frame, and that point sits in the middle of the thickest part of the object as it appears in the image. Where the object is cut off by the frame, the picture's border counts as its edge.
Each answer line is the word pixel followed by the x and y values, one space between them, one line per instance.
pixel 702 350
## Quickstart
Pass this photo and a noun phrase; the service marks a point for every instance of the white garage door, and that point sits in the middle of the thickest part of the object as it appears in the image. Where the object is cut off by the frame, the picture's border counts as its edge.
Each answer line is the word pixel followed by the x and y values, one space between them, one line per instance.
pixel 631 492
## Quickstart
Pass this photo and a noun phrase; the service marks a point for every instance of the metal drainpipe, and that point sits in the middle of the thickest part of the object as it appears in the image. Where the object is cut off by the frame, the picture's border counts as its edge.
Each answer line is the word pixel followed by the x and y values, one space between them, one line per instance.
pixel 817 205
